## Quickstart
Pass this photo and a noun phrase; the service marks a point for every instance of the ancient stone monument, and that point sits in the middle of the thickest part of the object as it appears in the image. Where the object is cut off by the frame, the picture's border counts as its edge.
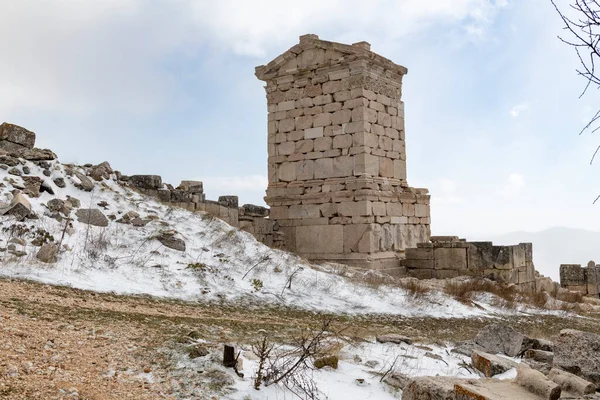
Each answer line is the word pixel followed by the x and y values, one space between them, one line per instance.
pixel 337 156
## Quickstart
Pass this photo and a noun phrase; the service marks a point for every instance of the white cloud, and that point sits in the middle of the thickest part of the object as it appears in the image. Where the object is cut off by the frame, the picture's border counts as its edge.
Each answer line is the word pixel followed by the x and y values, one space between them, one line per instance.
pixel 519 109
pixel 81 56
pixel 514 185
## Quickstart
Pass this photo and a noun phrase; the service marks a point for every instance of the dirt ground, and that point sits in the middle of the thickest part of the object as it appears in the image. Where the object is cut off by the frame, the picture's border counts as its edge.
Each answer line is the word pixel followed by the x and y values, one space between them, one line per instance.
pixel 63 343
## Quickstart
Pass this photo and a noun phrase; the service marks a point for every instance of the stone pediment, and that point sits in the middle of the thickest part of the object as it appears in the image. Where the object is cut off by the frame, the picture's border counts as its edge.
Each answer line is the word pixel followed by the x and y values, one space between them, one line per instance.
pixel 312 53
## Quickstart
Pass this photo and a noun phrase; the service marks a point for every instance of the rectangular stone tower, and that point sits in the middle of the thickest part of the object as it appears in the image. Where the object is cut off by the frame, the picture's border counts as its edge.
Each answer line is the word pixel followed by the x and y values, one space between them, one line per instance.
pixel 337 157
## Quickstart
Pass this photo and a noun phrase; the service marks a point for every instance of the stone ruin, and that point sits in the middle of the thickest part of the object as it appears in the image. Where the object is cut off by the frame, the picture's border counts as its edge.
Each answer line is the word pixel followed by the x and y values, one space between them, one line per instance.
pixel 190 195
pixel 585 280
pixel 337 155
pixel 447 257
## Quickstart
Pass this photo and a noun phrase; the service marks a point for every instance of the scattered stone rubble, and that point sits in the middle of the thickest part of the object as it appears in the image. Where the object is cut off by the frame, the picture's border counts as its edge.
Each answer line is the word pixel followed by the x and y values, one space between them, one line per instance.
pixel 569 368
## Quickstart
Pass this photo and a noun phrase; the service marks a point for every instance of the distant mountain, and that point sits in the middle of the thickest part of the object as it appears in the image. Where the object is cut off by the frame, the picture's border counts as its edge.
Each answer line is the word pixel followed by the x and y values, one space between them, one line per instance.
pixel 555 246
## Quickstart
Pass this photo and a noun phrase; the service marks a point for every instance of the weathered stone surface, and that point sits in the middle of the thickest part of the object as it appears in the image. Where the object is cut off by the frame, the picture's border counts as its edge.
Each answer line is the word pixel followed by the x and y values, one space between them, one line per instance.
pixel 498 338
pixel 19 206
pixel 146 181
pixel 320 239
pixel 35 154
pixel 84 182
pixel 578 353
pixel 490 389
pixel 537 383
pixel 397 380
pixel 255 211
pixel 571 383
pixel 490 364
pixel 32 185
pixel 17 135
pixel 92 216
pixel 195 187
pixel 60 182
pixel 101 171
pixel 431 388
pixel 466 348
pixel 169 240
pixel 48 253
pixel 394 338
pixel 229 201
pixel 539 356
pixel 55 205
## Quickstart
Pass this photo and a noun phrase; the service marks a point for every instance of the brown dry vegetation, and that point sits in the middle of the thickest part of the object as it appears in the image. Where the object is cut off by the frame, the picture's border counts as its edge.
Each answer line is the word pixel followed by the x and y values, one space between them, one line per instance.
pixel 77 339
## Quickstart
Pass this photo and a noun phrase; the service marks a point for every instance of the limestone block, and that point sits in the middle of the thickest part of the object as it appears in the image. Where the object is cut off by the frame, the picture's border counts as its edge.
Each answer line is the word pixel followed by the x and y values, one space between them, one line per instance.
pixel 421 273
pixel 323 119
pixel 304 102
pixel 323 168
pixel 287 172
pixel 384 119
pixel 375 105
pixel 452 258
pixel 358 127
pixel 572 275
pixel 353 103
pixel 323 99
pixel 399 169
pixel 378 152
pixel 342 141
pixel 332 107
pixel 386 167
pixel 286 105
pixel 420 264
pixel 313 133
pixel 419 254
pixel 395 209
pixel 294 136
pixel 342 96
pixel 396 220
pixel 341 117
pixel 408 210
pixel 355 208
pixel 305 170
pixel 393 111
pixel 279 212
pixel 285 148
pixel 323 143
pixel 304 211
pixel 313 110
pixel 304 146
pixel 343 166
pixel 320 239
pixel 332 153
pixel 287 125
pixel 313 90
pixel 379 208
pixel 332 87
pixel 421 210
pixel 393 134
pixel 358 238
pixel 383 99
pixel 304 122
pixel 329 210
pixel 385 143
pixel 313 155
pixel 366 164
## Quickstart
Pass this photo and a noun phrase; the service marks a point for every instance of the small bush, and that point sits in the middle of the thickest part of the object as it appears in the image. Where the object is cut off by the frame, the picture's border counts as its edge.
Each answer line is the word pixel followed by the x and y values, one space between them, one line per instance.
pixel 196 266
pixel 463 290
pixel 414 288
pixel 257 284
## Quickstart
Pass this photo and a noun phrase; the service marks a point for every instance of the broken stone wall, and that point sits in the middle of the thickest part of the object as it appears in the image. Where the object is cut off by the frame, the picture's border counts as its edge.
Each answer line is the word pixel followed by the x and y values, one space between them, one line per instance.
pixel 585 280
pixel 337 158
pixel 190 195
pixel 448 257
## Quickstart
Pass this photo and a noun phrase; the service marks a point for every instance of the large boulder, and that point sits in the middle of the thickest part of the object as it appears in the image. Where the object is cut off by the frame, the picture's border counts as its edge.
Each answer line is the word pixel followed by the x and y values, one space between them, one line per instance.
pixel 34 154
pixel 571 383
pixel 537 383
pixel 48 253
pixel 14 134
pixel 169 240
pixel 578 353
pixel 85 183
pixel 19 206
pixel 498 338
pixel 32 185
pixel 146 181
pixel 92 216
pixel 101 171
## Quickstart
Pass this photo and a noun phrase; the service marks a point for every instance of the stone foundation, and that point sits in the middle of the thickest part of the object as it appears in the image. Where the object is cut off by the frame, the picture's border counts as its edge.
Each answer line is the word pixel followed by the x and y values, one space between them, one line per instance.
pixel 448 257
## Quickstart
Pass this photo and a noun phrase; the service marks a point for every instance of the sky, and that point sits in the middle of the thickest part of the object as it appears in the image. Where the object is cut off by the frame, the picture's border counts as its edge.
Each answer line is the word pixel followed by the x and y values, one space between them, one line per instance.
pixel 492 103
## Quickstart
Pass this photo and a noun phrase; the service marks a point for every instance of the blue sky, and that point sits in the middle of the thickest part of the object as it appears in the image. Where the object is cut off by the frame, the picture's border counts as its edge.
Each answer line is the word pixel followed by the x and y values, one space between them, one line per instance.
pixel 168 87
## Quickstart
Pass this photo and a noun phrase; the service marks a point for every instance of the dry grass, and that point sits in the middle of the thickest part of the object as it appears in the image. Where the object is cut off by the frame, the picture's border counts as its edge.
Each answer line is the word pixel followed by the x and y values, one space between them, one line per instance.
pixel 414 288
pixel 463 290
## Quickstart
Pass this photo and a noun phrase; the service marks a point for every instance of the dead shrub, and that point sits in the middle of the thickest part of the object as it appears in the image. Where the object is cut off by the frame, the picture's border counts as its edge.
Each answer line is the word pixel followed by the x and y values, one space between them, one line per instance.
pixel 414 288
pixel 463 290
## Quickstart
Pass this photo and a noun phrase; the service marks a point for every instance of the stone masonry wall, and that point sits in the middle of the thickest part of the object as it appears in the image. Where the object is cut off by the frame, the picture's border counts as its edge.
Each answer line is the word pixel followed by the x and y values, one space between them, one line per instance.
pixel 337 158
pixel 448 257
pixel 585 280
pixel 190 195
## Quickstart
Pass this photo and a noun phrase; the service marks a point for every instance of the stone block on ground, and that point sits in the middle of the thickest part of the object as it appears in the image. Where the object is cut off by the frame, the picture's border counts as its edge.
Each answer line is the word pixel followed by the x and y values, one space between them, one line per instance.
pixel 146 181
pixel 489 364
pixel 571 383
pixel 48 253
pixel 539 355
pixel 499 338
pixel 92 216
pixel 394 338
pixel 169 240
pixel 19 206
pixel 537 383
